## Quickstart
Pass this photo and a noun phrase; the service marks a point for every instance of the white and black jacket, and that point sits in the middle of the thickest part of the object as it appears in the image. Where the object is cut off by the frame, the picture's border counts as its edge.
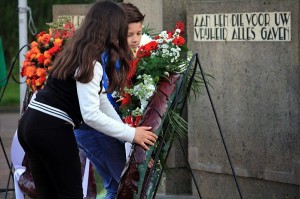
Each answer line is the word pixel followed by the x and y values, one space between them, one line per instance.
pixel 75 102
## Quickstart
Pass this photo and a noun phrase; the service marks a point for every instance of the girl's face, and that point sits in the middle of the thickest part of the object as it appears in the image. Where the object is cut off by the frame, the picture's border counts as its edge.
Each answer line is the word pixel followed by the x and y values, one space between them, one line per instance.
pixel 134 34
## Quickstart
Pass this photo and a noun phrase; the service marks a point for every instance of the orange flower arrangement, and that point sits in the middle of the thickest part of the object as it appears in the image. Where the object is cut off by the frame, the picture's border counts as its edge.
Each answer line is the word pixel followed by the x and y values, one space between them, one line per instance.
pixel 39 58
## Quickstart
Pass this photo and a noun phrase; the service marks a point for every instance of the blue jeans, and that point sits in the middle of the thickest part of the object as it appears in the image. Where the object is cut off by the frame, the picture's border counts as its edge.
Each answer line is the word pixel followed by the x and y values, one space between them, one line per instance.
pixel 106 153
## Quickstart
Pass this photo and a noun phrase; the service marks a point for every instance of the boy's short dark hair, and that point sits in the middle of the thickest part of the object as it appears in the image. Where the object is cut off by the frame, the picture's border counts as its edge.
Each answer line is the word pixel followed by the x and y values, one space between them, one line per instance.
pixel 133 13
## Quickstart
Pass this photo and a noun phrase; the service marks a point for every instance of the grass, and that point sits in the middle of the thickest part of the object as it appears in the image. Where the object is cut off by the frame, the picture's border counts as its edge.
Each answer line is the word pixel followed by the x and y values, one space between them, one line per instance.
pixel 101 192
pixel 11 95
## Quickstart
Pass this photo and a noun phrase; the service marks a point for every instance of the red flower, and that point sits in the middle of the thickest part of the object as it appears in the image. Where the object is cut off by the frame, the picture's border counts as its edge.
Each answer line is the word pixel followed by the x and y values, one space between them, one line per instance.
pixel 40 34
pixel 129 120
pixel 137 120
pixel 142 52
pixel 69 29
pixel 28 71
pixel 47 62
pixel 41 72
pixel 40 81
pixel 58 42
pixel 152 45
pixel 156 37
pixel 41 59
pixel 34 44
pixel 180 26
pixel 132 69
pixel 126 100
pixel 170 34
pixel 44 39
pixel 134 122
pixel 179 41
pixel 53 50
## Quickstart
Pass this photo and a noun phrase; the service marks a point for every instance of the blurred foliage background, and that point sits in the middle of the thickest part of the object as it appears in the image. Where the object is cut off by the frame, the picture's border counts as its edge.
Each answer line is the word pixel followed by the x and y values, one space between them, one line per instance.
pixel 41 14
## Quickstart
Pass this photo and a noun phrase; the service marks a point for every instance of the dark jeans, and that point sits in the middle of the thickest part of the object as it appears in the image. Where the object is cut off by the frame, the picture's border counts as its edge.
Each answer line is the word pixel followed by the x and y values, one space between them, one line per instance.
pixel 53 155
pixel 106 153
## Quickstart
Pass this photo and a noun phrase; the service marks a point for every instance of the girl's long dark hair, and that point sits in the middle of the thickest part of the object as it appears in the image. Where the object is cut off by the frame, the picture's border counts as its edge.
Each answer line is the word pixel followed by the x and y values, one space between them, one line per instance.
pixel 104 28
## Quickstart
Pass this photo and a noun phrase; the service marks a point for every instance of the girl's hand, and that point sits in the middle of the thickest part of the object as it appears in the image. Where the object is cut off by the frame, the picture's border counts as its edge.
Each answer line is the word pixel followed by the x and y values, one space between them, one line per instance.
pixel 143 136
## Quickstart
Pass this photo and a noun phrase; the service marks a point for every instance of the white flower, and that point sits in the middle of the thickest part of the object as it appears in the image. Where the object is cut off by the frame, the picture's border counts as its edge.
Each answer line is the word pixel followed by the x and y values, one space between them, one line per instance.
pixel 144 104
pixel 137 112
pixel 165 51
pixel 164 46
pixel 143 91
pixel 115 94
pixel 169 40
pixel 163 34
pixel 160 41
pixel 145 39
pixel 177 32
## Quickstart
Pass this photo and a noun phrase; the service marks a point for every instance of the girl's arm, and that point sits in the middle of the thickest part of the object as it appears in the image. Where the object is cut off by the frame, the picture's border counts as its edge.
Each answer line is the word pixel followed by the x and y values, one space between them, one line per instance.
pixel 107 108
pixel 89 106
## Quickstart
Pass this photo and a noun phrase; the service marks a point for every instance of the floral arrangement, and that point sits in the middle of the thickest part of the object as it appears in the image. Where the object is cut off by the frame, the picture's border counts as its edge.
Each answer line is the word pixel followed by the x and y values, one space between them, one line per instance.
pixel 156 58
pixel 39 58
pixel 157 94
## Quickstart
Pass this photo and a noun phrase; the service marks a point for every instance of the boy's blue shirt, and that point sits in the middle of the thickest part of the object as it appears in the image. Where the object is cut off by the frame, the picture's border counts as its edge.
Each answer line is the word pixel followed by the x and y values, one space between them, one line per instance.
pixel 105 80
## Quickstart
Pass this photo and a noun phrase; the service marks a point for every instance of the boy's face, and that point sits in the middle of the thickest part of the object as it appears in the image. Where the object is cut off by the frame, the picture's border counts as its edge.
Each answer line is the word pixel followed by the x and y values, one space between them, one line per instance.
pixel 134 34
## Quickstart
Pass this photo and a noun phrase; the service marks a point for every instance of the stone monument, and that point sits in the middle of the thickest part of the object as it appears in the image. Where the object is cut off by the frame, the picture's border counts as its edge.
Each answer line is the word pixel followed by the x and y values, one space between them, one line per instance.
pixel 251 48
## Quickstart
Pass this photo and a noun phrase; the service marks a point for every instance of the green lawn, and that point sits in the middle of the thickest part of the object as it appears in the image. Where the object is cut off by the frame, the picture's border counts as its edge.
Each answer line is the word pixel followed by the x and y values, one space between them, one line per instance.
pixel 11 96
pixel 101 192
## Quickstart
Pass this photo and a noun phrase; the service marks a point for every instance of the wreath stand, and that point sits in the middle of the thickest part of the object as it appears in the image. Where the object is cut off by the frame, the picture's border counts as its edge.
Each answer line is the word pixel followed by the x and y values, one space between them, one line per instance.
pixel 181 104
pixel 9 164
pixel 10 176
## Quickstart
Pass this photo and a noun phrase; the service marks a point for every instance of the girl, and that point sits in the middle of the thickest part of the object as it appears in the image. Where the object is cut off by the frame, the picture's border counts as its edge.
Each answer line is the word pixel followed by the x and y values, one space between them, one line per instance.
pixel 71 96
pixel 107 154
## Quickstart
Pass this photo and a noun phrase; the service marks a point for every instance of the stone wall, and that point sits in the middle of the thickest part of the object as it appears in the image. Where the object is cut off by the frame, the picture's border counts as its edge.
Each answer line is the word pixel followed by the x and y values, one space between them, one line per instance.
pixel 256 94
pixel 153 12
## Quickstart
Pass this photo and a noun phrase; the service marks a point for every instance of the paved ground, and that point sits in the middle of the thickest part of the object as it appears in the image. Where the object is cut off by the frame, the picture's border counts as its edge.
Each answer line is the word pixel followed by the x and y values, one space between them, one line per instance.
pixel 8 125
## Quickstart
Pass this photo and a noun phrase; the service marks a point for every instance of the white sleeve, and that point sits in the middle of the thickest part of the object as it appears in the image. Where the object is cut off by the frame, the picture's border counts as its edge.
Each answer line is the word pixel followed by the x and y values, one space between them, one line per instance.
pixel 107 108
pixel 89 102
